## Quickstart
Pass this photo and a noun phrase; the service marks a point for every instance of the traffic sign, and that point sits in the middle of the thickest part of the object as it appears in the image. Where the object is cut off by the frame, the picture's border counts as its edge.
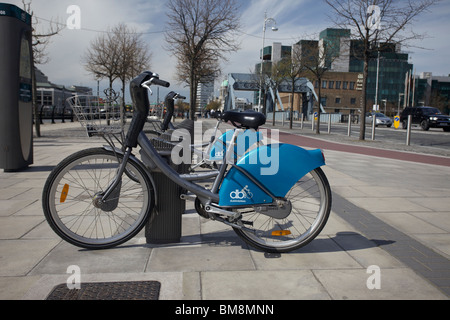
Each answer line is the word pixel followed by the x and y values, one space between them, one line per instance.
pixel 396 122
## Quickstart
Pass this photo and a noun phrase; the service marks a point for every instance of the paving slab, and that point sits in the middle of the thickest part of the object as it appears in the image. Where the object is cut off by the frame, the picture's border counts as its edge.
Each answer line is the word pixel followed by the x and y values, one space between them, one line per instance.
pixel 128 258
pixel 262 285
pixel 395 284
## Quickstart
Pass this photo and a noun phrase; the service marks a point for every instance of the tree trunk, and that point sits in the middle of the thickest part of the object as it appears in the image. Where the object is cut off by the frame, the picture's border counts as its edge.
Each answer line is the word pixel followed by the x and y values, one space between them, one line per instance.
pixel 362 117
pixel 192 93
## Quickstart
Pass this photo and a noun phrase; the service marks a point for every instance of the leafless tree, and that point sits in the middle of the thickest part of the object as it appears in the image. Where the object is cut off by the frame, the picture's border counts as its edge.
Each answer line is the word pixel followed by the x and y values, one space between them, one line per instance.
pixel 196 73
pixel 102 56
pixel 200 34
pixel 276 79
pixel 375 23
pixel 40 41
pixel 290 68
pixel 263 81
pixel 133 57
pixel 119 53
pixel 314 57
pixel 42 36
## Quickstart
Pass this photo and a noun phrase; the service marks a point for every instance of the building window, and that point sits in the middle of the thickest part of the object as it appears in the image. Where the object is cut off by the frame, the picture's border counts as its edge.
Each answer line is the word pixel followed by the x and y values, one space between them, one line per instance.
pixel 323 102
pixel 338 85
pixel 345 85
pixel 316 85
pixel 330 84
pixel 352 100
pixel 338 100
pixel 324 84
pixel 352 85
pixel 44 98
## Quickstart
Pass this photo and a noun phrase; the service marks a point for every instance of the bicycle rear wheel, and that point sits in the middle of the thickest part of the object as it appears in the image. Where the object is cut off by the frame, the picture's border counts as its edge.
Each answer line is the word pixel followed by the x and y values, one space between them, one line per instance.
pixel 310 199
pixel 71 193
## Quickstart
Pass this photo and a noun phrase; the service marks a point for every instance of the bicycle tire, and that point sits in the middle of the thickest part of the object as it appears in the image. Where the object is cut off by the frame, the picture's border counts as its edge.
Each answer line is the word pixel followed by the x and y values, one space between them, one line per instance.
pixel 70 190
pixel 311 205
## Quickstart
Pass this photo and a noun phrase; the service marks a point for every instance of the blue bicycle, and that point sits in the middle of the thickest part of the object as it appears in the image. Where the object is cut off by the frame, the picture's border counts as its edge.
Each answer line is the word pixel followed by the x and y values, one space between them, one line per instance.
pixel 275 197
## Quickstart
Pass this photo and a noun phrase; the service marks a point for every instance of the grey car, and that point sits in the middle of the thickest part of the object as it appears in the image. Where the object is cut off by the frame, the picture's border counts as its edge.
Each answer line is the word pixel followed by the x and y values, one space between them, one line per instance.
pixel 381 119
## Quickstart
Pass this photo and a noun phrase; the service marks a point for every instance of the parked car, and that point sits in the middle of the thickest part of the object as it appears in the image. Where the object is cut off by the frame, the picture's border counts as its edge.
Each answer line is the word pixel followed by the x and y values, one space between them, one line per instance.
pixel 381 119
pixel 426 117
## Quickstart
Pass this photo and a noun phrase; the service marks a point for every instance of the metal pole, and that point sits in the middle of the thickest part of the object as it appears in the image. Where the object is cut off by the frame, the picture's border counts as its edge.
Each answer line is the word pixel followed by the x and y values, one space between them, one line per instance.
pixel 408 132
pixel 312 122
pixel 374 121
pixel 262 62
pixel 301 121
pixel 378 74
pixel 329 123
pixel 349 125
pixel 266 20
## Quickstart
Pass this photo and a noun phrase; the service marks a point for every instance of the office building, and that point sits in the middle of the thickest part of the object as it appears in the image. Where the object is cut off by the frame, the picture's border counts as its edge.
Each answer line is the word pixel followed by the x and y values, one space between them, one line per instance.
pixel 205 93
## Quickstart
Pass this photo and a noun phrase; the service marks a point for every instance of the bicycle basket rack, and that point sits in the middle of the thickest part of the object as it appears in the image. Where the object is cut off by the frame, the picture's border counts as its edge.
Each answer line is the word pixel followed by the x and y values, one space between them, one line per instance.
pixel 98 115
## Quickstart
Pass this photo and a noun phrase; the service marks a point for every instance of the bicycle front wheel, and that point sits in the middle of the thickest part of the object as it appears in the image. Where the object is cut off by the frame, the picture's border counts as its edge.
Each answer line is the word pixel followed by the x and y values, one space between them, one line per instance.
pixel 310 201
pixel 71 193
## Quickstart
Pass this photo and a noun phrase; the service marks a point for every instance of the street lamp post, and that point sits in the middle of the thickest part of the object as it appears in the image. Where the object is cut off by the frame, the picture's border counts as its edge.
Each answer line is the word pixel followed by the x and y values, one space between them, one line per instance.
pixel 399 102
pixel 274 28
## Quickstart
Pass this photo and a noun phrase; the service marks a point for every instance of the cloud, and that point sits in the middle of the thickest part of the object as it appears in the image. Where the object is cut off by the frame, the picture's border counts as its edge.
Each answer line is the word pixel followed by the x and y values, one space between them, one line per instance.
pixel 296 20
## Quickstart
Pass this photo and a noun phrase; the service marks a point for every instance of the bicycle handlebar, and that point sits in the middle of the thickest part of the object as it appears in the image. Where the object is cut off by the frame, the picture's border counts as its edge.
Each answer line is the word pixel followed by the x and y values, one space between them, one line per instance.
pixel 170 105
pixel 141 103
pixel 158 82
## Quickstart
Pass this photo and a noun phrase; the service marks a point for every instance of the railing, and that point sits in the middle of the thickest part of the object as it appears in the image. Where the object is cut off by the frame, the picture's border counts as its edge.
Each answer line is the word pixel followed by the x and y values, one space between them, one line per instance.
pixel 55 113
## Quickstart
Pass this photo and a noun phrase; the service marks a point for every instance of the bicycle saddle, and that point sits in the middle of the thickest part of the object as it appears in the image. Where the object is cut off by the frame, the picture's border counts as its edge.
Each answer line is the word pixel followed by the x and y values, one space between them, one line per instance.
pixel 248 119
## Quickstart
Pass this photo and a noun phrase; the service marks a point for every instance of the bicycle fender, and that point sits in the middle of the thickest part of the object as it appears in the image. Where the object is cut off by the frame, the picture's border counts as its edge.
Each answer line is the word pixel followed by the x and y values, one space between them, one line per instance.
pixel 276 168
pixel 244 141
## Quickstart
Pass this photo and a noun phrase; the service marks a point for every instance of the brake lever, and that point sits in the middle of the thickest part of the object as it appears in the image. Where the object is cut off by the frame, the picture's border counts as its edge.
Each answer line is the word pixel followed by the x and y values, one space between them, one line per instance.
pixel 146 86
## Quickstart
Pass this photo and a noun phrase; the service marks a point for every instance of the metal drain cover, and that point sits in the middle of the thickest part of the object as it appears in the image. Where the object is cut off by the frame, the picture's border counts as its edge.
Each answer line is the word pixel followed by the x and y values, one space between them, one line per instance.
pixel 139 290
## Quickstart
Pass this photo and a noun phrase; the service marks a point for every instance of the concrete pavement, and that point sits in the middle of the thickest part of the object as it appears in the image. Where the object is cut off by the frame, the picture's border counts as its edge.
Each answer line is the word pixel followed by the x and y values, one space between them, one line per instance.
pixel 390 218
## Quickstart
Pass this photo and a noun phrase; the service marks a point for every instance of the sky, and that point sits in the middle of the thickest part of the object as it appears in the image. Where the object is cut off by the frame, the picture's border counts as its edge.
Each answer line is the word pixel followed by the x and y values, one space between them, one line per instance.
pixel 296 20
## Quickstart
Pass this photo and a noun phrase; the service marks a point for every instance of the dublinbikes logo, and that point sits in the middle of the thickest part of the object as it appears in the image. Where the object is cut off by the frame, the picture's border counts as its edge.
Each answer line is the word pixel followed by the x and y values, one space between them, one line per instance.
pixel 243 146
pixel 241 195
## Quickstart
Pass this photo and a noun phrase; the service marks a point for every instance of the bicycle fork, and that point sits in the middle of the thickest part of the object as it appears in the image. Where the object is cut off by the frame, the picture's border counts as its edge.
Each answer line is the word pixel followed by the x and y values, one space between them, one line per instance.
pixel 109 199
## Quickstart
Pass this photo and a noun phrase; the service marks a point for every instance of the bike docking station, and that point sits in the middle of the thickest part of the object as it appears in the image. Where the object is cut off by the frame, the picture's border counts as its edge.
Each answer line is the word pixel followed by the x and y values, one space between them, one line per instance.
pixel 16 109
pixel 165 226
